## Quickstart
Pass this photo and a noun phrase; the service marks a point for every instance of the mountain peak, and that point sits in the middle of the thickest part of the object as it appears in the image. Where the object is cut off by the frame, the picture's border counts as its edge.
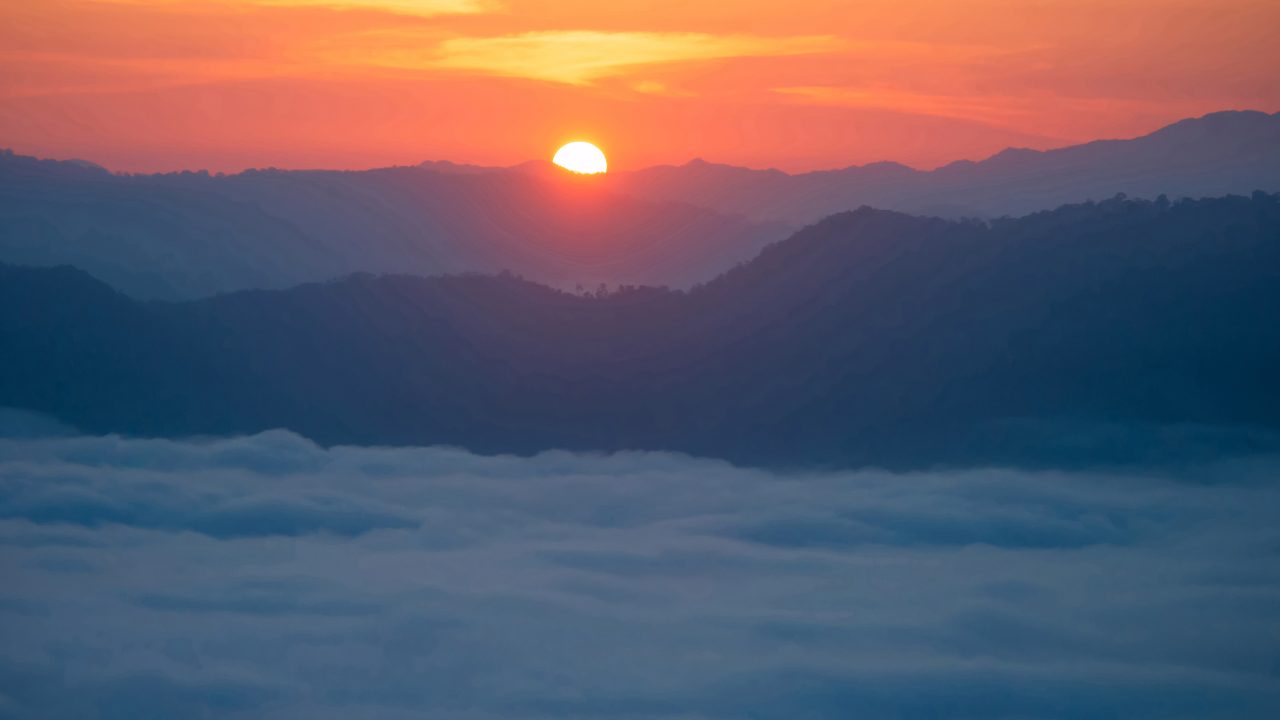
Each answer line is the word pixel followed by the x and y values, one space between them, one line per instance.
pixel 450 167
pixel 12 161
pixel 1240 124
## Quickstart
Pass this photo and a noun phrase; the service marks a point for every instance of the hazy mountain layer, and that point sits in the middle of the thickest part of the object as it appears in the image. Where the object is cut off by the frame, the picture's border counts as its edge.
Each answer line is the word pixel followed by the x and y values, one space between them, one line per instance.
pixel 1219 154
pixel 190 235
pixel 870 337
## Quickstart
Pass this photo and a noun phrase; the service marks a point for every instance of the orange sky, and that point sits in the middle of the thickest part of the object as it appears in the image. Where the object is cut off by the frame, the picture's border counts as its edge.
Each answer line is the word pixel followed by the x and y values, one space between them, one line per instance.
pixel 146 85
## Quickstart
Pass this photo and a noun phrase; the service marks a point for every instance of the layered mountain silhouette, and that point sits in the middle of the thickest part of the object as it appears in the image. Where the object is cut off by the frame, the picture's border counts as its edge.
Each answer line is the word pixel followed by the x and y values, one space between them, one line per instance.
pixel 188 235
pixel 1218 154
pixel 871 337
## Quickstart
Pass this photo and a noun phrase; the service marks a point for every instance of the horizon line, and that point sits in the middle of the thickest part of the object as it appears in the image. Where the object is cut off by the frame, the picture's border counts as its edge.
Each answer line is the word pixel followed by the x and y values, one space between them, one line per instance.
pixel 518 166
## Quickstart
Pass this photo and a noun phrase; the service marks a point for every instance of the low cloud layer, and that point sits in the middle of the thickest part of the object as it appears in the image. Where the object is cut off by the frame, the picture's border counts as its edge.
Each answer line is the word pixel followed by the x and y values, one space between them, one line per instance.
pixel 266 577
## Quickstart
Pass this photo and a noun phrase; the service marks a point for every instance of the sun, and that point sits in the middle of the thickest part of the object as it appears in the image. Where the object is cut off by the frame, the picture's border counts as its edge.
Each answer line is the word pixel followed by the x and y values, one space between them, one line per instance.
pixel 581 157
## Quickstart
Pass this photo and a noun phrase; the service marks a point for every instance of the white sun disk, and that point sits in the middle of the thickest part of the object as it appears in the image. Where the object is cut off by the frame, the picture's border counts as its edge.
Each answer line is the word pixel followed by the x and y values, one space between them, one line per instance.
pixel 581 157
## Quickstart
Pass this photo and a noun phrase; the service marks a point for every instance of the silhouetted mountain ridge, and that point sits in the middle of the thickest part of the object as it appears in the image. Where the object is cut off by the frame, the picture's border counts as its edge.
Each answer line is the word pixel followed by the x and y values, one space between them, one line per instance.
pixel 1218 154
pixel 871 337
pixel 183 235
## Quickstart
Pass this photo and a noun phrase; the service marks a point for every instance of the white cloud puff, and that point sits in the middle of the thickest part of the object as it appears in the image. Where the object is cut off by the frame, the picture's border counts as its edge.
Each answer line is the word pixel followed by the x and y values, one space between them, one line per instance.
pixel 266 577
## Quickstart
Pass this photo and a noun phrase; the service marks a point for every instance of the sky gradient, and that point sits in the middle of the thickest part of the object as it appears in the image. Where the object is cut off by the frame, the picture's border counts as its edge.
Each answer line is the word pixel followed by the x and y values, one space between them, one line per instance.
pixel 147 85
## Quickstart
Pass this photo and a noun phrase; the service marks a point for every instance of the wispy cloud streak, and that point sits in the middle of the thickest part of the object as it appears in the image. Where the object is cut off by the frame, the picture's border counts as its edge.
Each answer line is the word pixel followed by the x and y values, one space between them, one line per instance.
pixel 579 57
pixel 423 8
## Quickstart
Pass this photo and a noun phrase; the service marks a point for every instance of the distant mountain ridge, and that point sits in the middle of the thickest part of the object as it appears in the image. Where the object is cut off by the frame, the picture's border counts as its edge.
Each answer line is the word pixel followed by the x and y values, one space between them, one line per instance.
pixel 872 337
pixel 1218 154
pixel 184 235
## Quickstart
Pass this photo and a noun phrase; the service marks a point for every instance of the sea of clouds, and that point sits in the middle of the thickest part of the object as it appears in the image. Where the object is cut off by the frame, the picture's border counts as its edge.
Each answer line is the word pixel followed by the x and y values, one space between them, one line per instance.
pixel 267 577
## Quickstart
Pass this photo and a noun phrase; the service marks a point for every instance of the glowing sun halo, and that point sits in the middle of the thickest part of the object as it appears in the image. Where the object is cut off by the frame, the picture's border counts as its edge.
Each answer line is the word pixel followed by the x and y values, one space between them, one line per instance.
pixel 581 157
